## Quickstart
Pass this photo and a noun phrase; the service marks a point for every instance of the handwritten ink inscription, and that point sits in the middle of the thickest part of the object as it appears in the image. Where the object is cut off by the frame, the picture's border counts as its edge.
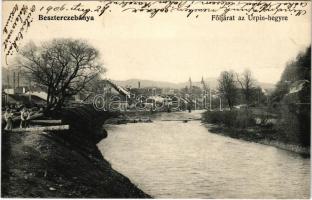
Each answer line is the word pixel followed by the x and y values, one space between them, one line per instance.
pixel 18 22
pixel 189 8
pixel 22 15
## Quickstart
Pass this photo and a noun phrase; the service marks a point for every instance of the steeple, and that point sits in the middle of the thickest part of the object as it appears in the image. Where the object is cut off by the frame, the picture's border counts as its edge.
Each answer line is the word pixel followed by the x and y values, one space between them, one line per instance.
pixel 203 84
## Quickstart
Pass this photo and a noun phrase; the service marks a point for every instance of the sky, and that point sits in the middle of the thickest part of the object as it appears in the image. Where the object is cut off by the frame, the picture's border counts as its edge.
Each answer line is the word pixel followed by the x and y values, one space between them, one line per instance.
pixel 173 48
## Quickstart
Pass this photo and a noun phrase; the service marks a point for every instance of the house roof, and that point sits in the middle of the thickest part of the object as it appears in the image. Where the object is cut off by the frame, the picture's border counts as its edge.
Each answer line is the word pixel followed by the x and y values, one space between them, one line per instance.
pixel 13 98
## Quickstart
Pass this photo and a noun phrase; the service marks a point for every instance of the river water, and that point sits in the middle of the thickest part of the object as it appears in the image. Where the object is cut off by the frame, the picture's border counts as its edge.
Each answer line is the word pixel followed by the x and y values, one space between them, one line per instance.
pixel 172 159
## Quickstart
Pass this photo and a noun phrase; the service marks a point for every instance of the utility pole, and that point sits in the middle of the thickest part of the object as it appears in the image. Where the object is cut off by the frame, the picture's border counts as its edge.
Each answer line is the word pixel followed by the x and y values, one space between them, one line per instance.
pixel 126 108
pixel 205 100
pixel 259 97
pixel 18 79
pixel 205 88
pixel 210 99
pixel 220 103
pixel 190 92
pixel 29 90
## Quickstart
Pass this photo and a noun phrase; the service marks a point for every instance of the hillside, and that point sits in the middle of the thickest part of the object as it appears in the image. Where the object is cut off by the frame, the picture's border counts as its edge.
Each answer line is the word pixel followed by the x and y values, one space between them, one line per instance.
pixel 211 82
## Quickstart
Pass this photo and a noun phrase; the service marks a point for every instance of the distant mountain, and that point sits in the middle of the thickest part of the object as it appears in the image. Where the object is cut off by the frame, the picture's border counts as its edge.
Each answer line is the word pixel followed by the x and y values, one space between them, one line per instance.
pixel 146 83
pixel 161 84
pixel 267 86
pixel 210 82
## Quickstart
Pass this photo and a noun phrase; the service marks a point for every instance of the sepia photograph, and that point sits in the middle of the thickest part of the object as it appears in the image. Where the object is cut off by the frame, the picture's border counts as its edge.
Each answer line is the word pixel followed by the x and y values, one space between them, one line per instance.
pixel 156 99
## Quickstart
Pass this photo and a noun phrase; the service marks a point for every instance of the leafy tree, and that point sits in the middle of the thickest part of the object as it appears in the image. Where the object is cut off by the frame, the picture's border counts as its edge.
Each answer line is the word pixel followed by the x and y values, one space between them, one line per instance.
pixel 298 69
pixel 292 98
pixel 196 91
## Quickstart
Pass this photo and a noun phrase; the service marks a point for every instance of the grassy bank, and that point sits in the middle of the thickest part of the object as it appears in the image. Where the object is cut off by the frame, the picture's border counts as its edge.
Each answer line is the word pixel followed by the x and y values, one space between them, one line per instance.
pixel 255 127
pixel 63 164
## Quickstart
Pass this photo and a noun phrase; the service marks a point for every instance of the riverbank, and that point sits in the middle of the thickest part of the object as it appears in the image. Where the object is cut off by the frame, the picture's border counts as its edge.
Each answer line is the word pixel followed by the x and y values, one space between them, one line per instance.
pixel 63 164
pixel 258 125
pixel 262 136
pixel 147 117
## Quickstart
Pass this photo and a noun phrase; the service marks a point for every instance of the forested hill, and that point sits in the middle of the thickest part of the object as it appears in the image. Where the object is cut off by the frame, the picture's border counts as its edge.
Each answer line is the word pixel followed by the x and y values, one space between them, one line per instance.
pixel 292 100
pixel 296 74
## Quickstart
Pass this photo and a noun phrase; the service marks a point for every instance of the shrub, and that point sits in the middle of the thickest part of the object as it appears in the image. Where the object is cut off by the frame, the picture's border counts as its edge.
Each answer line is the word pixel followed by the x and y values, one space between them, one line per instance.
pixel 234 118
pixel 244 119
pixel 294 124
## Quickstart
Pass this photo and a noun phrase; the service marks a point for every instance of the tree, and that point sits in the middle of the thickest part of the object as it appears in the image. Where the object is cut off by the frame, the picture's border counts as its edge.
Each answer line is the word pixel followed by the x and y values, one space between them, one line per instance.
pixel 196 91
pixel 61 67
pixel 184 91
pixel 227 87
pixel 294 107
pixel 247 84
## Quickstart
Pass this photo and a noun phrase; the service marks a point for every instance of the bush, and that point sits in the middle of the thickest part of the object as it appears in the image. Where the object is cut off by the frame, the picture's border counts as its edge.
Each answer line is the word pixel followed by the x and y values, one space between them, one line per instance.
pixel 294 124
pixel 234 118
pixel 244 119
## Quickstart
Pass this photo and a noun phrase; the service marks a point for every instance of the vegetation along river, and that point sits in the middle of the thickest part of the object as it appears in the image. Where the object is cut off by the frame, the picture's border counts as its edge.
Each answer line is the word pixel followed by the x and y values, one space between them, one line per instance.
pixel 172 159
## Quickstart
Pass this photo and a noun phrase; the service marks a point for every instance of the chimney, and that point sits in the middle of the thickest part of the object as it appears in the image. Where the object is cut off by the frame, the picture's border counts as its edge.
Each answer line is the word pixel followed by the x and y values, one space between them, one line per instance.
pixel 139 84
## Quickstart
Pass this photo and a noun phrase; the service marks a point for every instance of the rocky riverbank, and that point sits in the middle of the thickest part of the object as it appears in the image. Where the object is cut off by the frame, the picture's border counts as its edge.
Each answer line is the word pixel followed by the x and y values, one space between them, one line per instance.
pixel 63 164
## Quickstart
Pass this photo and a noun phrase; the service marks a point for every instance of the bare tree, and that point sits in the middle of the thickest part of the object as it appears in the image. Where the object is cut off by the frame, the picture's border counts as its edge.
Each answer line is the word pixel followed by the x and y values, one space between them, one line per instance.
pixel 227 87
pixel 62 67
pixel 247 84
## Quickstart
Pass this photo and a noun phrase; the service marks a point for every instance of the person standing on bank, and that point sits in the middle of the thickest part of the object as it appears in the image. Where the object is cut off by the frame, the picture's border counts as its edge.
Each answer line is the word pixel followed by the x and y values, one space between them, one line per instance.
pixel 8 116
pixel 27 119
pixel 24 116
pixel 189 107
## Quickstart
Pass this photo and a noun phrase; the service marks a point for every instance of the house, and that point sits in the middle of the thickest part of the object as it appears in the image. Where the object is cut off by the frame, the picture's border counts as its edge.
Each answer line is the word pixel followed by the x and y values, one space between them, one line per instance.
pixel 22 99
pixel 17 90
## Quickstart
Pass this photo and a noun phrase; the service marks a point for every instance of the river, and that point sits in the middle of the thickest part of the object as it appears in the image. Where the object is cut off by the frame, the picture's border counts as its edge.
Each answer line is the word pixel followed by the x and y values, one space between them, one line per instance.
pixel 172 159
